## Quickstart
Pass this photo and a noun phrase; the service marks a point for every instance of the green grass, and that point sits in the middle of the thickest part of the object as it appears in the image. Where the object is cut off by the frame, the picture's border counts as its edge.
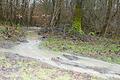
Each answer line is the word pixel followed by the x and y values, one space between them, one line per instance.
pixel 111 59
pixel 101 49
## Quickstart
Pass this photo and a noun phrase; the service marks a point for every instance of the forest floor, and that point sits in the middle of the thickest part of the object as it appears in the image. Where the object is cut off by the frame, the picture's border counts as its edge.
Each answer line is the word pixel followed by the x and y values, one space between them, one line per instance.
pixel 17 67
pixel 28 60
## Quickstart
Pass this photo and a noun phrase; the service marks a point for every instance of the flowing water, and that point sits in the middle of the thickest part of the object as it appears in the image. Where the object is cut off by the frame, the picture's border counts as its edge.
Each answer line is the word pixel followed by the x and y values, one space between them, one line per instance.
pixel 66 61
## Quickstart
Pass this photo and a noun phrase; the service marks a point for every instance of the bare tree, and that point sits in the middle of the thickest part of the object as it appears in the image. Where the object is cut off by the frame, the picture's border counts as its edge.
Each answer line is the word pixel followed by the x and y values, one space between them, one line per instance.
pixel 107 18
pixel 56 12
pixel 31 12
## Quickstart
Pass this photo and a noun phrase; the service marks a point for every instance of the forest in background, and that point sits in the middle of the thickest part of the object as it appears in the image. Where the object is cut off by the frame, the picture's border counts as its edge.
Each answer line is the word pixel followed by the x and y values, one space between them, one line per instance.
pixel 71 17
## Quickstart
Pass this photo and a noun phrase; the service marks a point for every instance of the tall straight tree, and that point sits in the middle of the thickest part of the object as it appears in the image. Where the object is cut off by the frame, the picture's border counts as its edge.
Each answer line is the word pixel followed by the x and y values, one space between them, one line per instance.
pixel 31 12
pixel 107 18
pixel 1 11
pixel 77 17
pixel 57 5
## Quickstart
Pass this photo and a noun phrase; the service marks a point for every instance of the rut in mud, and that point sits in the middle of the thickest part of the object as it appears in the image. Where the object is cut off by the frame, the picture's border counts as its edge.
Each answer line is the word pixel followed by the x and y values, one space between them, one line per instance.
pixel 30 48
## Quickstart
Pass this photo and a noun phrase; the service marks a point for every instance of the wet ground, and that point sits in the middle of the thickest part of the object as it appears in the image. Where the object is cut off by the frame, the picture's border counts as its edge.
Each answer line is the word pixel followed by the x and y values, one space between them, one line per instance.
pixel 65 61
pixel 16 67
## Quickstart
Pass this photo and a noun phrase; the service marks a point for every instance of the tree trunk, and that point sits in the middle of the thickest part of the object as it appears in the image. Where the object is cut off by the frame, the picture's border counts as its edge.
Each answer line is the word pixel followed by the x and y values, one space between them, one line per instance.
pixel 107 19
pixel 56 13
pixel 77 18
pixel 31 13
pixel 1 15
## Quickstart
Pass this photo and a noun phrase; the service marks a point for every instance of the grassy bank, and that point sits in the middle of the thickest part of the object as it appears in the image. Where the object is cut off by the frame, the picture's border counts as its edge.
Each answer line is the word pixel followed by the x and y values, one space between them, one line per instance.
pixel 103 49
pixel 15 67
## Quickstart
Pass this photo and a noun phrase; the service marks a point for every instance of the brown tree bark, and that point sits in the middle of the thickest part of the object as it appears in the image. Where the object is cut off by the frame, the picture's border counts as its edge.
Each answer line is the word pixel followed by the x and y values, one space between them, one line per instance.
pixel 31 12
pixel 1 12
pixel 57 5
pixel 107 18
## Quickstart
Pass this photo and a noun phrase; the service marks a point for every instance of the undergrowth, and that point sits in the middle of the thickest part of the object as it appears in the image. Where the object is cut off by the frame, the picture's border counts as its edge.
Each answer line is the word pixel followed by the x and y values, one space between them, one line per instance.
pixel 10 30
pixel 101 49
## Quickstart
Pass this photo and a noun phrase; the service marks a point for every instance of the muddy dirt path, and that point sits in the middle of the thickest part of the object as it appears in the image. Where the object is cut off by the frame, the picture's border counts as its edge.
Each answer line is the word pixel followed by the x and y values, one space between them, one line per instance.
pixel 66 61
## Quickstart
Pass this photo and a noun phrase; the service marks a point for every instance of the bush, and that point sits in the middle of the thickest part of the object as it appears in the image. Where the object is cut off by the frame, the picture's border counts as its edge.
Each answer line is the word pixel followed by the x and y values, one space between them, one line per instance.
pixel 11 32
